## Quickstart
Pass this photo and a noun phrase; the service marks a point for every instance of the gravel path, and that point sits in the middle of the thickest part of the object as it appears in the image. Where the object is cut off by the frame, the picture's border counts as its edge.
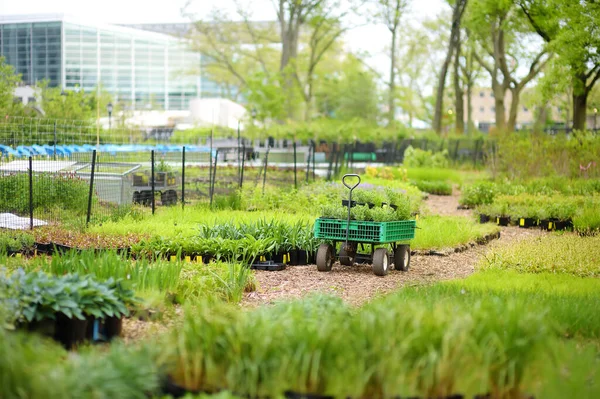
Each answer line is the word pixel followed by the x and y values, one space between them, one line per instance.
pixel 358 284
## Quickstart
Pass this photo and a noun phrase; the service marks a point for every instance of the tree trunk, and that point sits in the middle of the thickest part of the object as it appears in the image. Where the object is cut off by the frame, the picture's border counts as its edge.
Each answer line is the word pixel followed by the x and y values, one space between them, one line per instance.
pixel 513 110
pixel 499 93
pixel 469 107
pixel 439 97
pixel 459 8
pixel 579 111
pixel 580 95
pixel 392 94
pixel 458 92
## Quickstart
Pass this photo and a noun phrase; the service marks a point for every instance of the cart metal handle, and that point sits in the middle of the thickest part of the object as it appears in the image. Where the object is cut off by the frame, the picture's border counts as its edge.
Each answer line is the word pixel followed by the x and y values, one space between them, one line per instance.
pixel 351 188
pixel 347 185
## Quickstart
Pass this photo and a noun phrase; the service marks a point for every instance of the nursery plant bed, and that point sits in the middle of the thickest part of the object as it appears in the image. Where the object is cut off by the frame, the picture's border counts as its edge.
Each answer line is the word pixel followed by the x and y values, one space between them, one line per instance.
pixel 563 224
pixel 268 265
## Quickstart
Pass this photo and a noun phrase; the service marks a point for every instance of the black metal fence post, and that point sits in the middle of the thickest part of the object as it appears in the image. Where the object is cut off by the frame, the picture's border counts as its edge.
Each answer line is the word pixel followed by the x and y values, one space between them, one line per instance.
pixel 91 192
pixel 313 160
pixel 54 152
pixel 183 178
pixel 213 178
pixel 242 165
pixel 295 168
pixel 152 178
pixel 266 166
pixel 31 193
pixel 308 162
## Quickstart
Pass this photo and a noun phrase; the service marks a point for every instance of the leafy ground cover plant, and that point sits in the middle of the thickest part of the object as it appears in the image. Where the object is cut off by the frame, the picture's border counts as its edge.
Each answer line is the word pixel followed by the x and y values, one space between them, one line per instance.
pixel 570 254
pixel 449 232
pixel 436 187
pixel 11 241
pixel 40 296
pixel 478 193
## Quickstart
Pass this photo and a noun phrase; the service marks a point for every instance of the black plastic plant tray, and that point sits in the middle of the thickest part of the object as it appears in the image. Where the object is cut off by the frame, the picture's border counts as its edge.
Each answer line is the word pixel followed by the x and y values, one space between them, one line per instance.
pixel 268 265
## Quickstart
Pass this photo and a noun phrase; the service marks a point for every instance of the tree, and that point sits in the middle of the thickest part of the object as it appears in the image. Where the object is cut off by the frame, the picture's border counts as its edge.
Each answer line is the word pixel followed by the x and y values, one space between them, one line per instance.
pixel 572 29
pixel 502 33
pixel 389 12
pixel 8 82
pixel 72 104
pixel 349 93
pixel 458 10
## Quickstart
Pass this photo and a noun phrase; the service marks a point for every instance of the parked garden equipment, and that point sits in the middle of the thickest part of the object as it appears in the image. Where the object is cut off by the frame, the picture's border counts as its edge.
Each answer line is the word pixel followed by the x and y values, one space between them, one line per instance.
pixel 165 183
pixel 387 241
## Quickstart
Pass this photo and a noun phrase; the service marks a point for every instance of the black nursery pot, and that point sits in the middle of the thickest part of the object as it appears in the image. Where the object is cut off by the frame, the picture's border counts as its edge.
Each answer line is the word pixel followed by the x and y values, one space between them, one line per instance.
pixel 345 203
pixel 527 223
pixel 483 218
pixel 563 224
pixel 297 395
pixel 548 224
pixel 46 327
pixel 70 332
pixel 302 257
pixel 502 220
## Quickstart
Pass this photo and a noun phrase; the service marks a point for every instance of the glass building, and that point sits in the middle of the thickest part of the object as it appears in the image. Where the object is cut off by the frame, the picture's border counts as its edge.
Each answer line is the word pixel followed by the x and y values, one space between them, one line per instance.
pixel 141 69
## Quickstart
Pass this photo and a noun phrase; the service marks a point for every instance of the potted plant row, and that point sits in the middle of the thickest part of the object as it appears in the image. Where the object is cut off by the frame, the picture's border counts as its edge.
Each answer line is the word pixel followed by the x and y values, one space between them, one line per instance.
pixel 68 308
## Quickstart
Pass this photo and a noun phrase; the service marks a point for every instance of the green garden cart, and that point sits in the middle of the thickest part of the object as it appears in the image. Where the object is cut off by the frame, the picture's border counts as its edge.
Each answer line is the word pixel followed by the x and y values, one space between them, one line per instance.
pixel 385 243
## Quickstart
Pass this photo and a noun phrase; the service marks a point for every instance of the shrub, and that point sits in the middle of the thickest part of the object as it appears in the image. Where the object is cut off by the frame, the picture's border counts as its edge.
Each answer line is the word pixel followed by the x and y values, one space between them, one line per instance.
pixel 436 187
pixel 65 191
pixel 415 158
pixel 478 193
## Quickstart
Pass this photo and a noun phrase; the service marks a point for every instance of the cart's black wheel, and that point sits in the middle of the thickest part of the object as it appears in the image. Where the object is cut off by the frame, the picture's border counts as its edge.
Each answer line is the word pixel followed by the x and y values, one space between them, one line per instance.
pixel 402 257
pixel 325 257
pixel 347 254
pixel 173 195
pixel 136 197
pixel 165 198
pixel 381 262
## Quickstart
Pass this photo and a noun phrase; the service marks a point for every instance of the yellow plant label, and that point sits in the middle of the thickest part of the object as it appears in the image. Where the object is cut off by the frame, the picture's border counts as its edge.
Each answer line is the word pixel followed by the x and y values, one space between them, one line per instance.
pixel 522 222
pixel 173 258
pixel 199 259
pixel 549 225
pixel 497 220
pixel 188 259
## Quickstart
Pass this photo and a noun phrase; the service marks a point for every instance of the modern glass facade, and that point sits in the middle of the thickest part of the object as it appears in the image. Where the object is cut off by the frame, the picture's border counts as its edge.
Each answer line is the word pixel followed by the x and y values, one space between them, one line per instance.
pixel 140 69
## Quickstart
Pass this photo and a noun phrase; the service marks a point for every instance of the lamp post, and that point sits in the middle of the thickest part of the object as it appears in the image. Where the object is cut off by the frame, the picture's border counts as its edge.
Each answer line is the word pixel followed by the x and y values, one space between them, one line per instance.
pixel 109 108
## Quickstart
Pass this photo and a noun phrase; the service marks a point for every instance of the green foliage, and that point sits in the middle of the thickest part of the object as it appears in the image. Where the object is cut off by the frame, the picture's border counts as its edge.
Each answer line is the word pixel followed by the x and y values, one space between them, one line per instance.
pixel 439 232
pixel 436 187
pixel 65 191
pixel 8 82
pixel 522 156
pixel 41 296
pixel 16 241
pixel 417 158
pixel 31 367
pixel 552 254
pixel 295 345
pixel 479 193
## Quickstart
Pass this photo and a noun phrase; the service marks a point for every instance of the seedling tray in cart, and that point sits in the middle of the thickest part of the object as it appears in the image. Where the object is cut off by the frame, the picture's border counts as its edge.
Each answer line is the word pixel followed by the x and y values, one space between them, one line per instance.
pixel 268 265
pixel 364 231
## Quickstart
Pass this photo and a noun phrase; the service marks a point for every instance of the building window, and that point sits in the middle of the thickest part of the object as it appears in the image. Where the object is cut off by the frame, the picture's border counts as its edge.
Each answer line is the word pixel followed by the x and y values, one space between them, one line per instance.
pixel 481 94
pixel 492 94
pixel 525 109
pixel 481 109
pixel 493 109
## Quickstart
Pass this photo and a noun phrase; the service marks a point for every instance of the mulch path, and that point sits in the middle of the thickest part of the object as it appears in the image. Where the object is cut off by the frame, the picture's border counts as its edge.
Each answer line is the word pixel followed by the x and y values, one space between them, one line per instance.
pixel 357 284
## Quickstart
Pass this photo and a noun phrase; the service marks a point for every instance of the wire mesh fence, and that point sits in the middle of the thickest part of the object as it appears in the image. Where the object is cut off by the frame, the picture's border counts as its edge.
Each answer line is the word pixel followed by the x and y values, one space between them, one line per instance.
pixel 59 171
